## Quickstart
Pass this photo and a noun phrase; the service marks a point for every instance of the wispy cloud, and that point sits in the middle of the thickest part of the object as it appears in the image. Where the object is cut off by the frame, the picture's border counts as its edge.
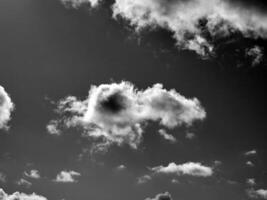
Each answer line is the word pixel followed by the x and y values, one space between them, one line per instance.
pixel 33 174
pixel 116 113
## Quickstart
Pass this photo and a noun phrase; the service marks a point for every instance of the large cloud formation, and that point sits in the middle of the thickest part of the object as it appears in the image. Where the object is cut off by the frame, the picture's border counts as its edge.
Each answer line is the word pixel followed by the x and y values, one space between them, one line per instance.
pixel 196 24
pixel 20 196
pixel 6 107
pixel 118 112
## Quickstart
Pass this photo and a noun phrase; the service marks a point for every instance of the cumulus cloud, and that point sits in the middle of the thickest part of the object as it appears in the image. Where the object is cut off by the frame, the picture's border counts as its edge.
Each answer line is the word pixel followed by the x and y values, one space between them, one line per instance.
pixel 197 25
pixel 20 196
pixel 143 179
pixel 33 174
pixel 6 107
pixel 189 168
pixel 23 182
pixel 162 196
pixel 77 3
pixel 67 177
pixel 257 194
pixel 118 112
pixel 167 136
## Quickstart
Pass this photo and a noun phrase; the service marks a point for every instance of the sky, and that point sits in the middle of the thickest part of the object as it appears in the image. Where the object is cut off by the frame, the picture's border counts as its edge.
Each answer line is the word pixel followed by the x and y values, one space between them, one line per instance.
pixel 133 99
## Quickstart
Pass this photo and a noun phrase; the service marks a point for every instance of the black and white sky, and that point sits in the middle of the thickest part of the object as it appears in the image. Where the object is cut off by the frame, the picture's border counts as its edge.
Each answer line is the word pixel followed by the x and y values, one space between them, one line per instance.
pixel 133 99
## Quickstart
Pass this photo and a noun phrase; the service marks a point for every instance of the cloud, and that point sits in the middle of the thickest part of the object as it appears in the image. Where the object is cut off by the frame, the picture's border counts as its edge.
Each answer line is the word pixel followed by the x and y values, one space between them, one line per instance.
pixel 190 135
pixel 189 168
pixel 256 53
pixel 167 136
pixel 120 167
pixel 197 25
pixel 23 182
pixel 143 179
pixel 77 3
pixel 251 181
pixel 250 164
pixel 257 194
pixel 20 196
pixel 251 152
pixel 67 177
pixel 6 107
pixel 162 196
pixel 117 113
pixel 33 174
pixel 2 177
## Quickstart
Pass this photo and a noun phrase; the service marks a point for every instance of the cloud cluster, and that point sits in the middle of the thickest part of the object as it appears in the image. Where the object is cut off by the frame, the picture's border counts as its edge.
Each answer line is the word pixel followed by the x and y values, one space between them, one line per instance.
pixel 67 177
pixel 162 196
pixel 6 107
pixel 196 24
pixel 20 196
pixel 117 113
pixel 189 168
pixel 257 194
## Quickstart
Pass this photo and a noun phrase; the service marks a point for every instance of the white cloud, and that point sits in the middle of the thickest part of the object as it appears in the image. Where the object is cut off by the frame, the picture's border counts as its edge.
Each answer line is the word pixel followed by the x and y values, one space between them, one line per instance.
pixel 23 182
pixel 77 3
pixel 251 181
pixel 121 167
pixel 250 153
pixel 67 177
pixel 250 164
pixel 33 174
pixel 167 136
pixel 6 107
pixel 257 194
pixel 196 24
pixel 189 168
pixel 117 112
pixel 20 196
pixel 162 196
pixel 143 179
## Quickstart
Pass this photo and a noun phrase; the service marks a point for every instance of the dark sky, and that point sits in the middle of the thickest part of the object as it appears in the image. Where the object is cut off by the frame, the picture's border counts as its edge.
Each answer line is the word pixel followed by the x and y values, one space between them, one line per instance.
pixel 48 52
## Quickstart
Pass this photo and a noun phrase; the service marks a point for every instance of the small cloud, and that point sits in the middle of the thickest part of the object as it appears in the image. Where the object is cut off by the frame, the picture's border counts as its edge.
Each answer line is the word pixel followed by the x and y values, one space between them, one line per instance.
pixel 52 128
pixel 167 136
pixel 250 164
pixel 175 181
pixel 189 168
pixel 3 178
pixel 190 135
pixel 33 174
pixel 143 179
pixel 67 177
pixel 120 167
pixel 20 196
pixel 23 182
pixel 162 196
pixel 251 153
pixel 251 182
pixel 256 54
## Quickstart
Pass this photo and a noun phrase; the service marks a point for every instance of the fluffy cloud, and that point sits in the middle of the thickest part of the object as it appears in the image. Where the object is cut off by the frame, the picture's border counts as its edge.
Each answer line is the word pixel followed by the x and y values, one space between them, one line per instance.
pixel 257 194
pixel 196 25
pixel 116 113
pixel 6 107
pixel 23 182
pixel 190 168
pixel 143 179
pixel 162 196
pixel 20 196
pixel 67 177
